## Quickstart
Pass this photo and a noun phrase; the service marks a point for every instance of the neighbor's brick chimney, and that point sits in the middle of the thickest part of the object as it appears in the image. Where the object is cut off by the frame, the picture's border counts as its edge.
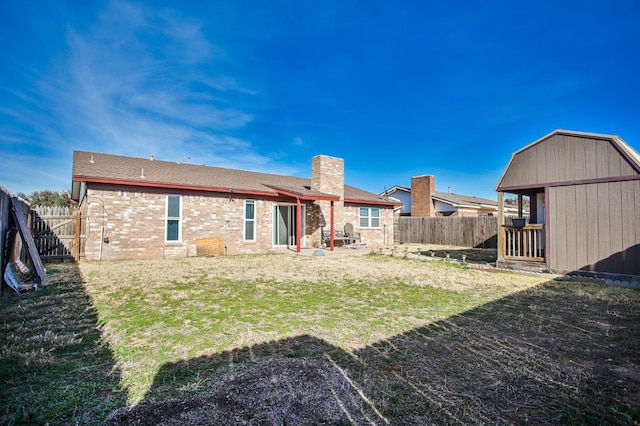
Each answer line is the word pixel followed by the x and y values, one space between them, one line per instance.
pixel 422 187
pixel 327 175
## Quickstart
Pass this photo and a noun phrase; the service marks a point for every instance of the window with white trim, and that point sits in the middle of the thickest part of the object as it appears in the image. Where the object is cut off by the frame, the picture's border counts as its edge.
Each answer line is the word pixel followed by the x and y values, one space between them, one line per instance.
pixel 174 211
pixel 369 217
pixel 249 220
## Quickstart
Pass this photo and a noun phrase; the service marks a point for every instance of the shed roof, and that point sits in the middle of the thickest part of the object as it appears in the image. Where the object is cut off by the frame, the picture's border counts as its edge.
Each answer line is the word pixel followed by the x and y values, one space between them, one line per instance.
pixel 565 157
pixel 115 169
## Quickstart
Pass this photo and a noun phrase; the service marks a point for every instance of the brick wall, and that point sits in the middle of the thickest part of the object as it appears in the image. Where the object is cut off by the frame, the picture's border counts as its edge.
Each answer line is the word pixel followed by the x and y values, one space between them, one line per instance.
pixel 422 187
pixel 134 221
pixel 135 224
pixel 327 175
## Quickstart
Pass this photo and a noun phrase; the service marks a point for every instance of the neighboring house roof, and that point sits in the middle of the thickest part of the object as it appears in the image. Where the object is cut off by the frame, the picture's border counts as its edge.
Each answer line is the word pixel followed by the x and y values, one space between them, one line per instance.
pixel 457 200
pixel 115 169
pixel 394 189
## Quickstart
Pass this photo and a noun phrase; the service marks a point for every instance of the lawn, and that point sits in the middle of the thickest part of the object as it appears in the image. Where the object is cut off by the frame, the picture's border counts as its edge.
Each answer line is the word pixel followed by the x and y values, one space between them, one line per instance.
pixel 419 341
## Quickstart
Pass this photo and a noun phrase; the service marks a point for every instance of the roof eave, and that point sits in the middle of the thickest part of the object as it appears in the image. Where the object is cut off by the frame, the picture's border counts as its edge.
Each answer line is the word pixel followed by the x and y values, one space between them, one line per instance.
pixel 172 186
pixel 307 197
pixel 372 202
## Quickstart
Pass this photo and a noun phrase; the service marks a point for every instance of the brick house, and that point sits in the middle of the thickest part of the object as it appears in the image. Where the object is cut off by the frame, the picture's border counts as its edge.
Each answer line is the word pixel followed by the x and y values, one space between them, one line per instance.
pixel 146 208
pixel 422 200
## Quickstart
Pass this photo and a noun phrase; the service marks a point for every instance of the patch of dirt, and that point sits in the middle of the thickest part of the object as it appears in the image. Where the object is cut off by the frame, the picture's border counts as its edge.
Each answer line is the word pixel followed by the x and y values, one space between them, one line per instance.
pixel 277 391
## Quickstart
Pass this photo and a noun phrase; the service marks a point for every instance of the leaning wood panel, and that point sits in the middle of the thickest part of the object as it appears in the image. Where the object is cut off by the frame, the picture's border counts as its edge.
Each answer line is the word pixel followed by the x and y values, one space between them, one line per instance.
pixel 19 213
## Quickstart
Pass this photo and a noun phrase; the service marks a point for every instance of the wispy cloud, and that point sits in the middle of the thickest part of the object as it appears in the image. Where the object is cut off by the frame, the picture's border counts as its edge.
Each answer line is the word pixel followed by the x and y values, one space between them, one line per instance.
pixel 133 82
pixel 137 81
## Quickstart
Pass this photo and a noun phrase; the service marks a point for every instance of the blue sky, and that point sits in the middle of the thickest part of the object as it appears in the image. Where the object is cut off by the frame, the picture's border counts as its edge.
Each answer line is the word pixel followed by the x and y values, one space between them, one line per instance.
pixel 397 89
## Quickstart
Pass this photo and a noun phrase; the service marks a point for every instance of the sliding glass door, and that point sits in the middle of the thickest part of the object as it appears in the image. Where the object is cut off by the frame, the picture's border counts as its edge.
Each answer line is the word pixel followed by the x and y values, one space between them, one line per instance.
pixel 285 221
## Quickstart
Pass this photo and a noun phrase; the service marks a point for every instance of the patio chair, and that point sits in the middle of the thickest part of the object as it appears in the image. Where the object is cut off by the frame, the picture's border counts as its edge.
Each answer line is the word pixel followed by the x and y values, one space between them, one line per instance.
pixel 351 234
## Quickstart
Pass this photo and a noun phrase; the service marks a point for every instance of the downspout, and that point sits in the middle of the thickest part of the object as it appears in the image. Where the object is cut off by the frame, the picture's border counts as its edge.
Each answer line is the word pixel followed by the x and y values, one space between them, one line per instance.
pixel 101 242
pixel 501 231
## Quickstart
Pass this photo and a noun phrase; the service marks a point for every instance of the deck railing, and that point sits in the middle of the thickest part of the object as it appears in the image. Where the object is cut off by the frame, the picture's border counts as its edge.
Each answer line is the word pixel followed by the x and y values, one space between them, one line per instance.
pixel 524 243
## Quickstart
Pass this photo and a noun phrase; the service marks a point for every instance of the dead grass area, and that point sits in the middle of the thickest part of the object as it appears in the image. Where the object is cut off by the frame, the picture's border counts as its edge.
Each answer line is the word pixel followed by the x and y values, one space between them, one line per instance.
pixel 374 339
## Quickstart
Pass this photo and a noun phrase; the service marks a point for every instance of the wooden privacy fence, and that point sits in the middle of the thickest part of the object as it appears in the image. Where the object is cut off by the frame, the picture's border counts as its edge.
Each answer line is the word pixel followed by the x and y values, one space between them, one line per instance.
pixel 56 231
pixel 478 232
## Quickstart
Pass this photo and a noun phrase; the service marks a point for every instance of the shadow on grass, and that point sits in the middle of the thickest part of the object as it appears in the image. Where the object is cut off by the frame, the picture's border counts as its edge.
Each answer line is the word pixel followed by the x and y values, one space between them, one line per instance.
pixel 471 254
pixel 53 366
pixel 560 353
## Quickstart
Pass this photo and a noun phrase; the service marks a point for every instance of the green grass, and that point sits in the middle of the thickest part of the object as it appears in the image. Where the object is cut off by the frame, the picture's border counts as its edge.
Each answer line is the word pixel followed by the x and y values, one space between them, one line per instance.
pixel 169 320
pixel 426 342
pixel 54 365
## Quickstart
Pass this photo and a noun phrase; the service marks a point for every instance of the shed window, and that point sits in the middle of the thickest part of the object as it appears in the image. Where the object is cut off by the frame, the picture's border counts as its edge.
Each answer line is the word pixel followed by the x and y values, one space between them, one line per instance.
pixel 174 211
pixel 369 217
pixel 249 220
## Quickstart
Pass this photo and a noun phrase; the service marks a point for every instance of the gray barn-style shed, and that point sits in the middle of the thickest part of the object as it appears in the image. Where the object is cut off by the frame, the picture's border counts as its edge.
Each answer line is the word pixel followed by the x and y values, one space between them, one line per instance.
pixel 579 196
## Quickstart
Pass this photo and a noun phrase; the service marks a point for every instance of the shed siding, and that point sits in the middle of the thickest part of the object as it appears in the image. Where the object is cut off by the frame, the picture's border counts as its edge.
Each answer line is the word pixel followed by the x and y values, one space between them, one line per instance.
pixel 595 227
pixel 591 228
pixel 566 158
pixel 582 241
pixel 603 242
pixel 635 247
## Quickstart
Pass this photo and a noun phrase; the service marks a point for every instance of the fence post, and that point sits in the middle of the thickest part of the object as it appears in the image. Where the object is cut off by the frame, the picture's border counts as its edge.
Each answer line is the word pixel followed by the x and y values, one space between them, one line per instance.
pixel 78 225
pixel 501 233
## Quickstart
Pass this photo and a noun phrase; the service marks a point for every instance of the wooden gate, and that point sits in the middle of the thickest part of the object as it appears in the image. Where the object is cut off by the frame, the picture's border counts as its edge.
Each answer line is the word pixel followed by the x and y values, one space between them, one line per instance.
pixel 57 232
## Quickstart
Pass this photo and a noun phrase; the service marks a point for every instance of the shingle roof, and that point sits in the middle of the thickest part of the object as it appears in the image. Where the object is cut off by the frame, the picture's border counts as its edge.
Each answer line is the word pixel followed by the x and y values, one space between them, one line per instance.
pixel 396 188
pixel 463 200
pixel 107 168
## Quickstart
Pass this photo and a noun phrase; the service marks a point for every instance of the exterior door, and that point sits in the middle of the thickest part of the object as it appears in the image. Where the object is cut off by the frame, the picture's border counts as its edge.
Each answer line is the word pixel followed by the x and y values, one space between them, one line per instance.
pixel 285 220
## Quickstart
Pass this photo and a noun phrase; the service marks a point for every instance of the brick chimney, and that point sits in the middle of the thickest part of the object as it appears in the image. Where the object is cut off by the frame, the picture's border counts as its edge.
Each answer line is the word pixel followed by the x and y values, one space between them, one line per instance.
pixel 327 175
pixel 422 188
